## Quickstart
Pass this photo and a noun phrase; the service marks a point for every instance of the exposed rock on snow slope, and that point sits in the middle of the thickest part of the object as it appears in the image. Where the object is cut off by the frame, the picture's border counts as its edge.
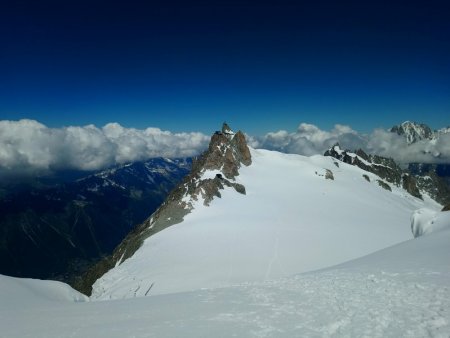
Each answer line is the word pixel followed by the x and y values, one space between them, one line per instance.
pixel 291 220
pixel 212 172
pixel 427 182
pixel 386 168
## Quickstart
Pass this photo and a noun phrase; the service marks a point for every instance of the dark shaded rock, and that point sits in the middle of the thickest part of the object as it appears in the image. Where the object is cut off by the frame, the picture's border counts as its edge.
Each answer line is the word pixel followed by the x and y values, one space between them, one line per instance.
pixel 329 175
pixel 384 185
pixel 436 187
pixel 434 179
pixel 366 177
pixel 446 208
pixel 239 188
pixel 410 185
pixel 362 154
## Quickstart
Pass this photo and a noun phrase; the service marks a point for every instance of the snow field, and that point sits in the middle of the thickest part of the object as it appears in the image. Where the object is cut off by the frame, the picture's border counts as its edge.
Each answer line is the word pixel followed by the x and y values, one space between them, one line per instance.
pixel 401 291
pixel 291 220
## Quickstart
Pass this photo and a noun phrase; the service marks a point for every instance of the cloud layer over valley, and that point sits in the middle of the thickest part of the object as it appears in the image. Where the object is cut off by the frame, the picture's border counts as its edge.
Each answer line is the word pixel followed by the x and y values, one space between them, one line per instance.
pixel 29 148
pixel 309 140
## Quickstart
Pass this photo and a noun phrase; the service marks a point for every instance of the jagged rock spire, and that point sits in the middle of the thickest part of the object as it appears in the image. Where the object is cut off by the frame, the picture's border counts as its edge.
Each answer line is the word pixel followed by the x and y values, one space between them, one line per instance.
pixel 226 153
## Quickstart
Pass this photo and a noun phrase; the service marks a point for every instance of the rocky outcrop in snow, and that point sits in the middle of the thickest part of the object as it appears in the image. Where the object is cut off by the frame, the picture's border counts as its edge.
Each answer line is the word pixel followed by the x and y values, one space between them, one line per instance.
pixel 211 172
pixel 385 168
pixel 417 180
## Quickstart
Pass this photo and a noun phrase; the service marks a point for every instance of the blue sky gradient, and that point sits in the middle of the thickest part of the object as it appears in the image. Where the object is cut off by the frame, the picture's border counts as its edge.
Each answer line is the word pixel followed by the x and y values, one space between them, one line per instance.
pixel 188 66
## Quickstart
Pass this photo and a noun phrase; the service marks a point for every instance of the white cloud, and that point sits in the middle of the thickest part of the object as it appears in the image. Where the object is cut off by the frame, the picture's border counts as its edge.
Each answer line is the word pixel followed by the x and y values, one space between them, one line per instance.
pixel 28 147
pixel 389 144
pixel 308 140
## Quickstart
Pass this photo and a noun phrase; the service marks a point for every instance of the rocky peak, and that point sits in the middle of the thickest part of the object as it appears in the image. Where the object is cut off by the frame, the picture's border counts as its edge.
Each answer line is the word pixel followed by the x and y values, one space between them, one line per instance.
pixel 226 152
pixel 413 131
pixel 217 168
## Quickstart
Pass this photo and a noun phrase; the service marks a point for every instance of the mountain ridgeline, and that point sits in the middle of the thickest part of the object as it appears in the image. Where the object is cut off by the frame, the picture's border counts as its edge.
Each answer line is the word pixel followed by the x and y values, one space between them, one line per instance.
pixel 414 132
pixel 218 167
pixel 389 172
pixel 226 153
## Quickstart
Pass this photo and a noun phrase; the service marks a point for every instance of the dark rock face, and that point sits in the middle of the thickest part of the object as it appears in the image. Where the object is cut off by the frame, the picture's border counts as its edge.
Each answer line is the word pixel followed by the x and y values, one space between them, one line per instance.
pixel 384 185
pixel 329 175
pixel 410 185
pixel 366 177
pixel 385 168
pixel 57 232
pixel 446 208
pixel 226 153
pixel 434 179
pixel 436 187
pixel 423 169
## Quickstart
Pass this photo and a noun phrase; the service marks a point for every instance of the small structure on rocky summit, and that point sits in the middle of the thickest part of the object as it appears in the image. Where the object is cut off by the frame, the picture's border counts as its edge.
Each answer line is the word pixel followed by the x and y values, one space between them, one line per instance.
pixel 226 129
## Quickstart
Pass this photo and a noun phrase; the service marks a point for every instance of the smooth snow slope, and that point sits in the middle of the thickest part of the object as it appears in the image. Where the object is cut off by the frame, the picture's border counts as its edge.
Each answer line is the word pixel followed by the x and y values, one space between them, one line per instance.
pixel 401 291
pixel 16 292
pixel 292 220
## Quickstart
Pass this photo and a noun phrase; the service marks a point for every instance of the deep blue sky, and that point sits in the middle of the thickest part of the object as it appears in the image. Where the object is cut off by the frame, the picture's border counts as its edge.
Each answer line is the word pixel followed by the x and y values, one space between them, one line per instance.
pixel 187 66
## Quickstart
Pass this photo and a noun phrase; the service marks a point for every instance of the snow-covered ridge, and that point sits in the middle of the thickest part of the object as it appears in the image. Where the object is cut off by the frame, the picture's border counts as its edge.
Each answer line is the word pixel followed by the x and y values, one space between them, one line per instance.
pixel 291 220
pixel 226 154
pixel 414 132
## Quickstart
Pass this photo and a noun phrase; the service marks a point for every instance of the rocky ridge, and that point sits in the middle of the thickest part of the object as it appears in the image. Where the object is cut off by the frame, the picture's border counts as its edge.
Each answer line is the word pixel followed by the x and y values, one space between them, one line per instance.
pixel 211 172
pixel 388 170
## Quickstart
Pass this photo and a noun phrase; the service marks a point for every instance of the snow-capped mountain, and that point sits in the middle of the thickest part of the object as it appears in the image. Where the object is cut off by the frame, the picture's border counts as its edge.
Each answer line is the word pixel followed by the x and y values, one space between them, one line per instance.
pixel 57 231
pixel 414 132
pixel 278 215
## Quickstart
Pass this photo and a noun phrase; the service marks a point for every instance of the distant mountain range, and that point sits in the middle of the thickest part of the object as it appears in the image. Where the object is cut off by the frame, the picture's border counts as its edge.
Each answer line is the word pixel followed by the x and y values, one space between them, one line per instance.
pixel 56 232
